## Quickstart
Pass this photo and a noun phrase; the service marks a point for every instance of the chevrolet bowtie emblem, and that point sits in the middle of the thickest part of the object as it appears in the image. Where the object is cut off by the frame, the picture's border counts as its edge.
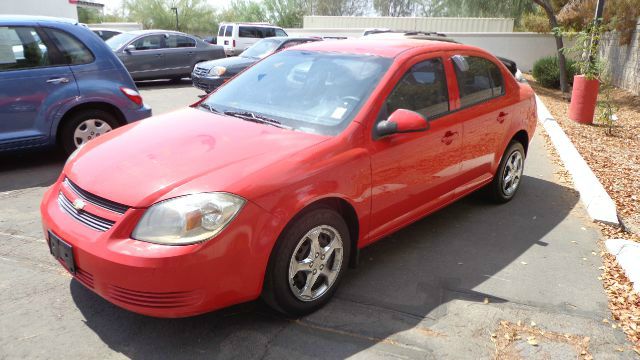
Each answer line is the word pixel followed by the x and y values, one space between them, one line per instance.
pixel 78 204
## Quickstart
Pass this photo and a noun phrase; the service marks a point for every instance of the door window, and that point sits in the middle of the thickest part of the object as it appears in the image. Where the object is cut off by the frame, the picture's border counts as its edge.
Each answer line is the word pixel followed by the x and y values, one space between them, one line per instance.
pixel 229 31
pixel 151 42
pixel 478 79
pixel 422 89
pixel 22 48
pixel 221 30
pixel 73 51
pixel 179 41
pixel 280 32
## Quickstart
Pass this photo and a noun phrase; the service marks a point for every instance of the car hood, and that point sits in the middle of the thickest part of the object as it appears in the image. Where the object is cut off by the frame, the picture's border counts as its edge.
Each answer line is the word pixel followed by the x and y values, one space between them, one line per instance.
pixel 169 155
pixel 231 63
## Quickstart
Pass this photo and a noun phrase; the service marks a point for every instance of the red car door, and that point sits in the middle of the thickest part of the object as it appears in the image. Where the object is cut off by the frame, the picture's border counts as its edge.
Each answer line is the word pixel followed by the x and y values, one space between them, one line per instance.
pixel 415 173
pixel 484 106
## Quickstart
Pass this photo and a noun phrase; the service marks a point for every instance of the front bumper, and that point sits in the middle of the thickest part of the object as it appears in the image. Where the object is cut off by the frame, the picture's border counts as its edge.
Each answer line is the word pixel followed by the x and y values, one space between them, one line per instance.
pixel 207 84
pixel 160 280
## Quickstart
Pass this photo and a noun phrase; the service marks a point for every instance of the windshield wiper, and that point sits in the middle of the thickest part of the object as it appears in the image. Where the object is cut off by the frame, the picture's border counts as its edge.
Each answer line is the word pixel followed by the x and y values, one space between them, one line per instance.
pixel 261 119
pixel 209 107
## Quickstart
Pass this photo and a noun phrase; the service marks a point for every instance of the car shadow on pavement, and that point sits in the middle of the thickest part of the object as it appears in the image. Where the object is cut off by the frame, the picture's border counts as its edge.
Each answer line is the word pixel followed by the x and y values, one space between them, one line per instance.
pixel 28 169
pixel 409 275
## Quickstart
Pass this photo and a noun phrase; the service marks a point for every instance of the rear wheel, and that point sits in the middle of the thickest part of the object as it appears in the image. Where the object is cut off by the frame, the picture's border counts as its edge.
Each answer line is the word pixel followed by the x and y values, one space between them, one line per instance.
pixel 84 126
pixel 307 263
pixel 508 177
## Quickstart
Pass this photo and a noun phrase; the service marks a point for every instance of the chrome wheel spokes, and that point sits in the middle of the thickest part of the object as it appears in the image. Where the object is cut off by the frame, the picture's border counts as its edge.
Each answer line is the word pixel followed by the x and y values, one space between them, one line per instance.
pixel 512 173
pixel 315 263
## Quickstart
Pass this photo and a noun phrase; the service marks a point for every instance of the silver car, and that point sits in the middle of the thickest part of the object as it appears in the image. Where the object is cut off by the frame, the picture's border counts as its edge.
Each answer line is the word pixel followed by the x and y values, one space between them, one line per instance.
pixel 161 54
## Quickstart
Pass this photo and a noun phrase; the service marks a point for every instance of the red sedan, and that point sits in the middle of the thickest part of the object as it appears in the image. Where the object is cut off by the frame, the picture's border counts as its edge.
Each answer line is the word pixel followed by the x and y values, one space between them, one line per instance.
pixel 270 186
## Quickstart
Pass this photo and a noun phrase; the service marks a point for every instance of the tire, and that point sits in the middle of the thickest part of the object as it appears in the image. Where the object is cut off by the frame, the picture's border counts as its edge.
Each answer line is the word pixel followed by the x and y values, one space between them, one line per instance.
pixel 297 298
pixel 102 122
pixel 502 189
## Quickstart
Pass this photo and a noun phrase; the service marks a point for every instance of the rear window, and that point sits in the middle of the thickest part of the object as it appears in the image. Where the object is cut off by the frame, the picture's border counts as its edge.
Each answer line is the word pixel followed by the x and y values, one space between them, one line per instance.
pixel 221 31
pixel 229 31
pixel 179 41
pixel 73 51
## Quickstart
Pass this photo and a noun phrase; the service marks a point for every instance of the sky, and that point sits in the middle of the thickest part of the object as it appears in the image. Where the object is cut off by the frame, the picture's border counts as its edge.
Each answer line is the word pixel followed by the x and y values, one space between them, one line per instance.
pixel 111 5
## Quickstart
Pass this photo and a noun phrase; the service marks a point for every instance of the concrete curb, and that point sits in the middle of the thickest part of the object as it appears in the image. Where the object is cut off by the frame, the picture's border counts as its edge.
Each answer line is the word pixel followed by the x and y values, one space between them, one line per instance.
pixel 599 204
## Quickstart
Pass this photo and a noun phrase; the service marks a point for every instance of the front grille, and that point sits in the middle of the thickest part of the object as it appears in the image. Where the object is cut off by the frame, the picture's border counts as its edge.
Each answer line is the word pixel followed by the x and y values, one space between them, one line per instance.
pixel 90 220
pixel 96 200
pixel 200 71
pixel 155 299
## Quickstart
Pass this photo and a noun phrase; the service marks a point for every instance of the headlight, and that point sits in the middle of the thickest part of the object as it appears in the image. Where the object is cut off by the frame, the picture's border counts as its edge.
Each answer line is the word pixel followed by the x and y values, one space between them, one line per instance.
pixel 188 219
pixel 218 70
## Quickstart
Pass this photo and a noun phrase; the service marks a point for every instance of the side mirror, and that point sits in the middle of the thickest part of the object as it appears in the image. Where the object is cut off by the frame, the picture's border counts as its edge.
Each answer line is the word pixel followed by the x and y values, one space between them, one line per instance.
pixel 400 122
pixel 129 48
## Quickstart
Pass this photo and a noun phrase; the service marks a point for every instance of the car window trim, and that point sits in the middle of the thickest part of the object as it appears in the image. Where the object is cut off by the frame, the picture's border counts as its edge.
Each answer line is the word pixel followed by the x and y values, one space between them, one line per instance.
pixel 504 90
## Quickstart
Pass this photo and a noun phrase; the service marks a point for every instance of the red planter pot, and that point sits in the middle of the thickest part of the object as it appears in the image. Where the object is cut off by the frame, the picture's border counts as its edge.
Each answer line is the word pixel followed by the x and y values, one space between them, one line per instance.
pixel 583 99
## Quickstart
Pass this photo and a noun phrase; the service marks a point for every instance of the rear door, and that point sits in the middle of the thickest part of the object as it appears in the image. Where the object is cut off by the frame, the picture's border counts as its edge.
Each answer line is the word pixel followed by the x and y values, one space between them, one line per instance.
pixel 146 59
pixel 485 108
pixel 180 54
pixel 34 84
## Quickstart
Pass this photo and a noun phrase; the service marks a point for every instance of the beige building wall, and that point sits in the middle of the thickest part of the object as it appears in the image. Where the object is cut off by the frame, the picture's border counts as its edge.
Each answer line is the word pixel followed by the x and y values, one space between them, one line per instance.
pixel 444 24
pixel 55 8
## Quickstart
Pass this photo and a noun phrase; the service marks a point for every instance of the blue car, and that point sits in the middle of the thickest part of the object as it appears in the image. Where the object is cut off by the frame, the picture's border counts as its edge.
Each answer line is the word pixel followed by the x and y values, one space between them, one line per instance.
pixel 60 84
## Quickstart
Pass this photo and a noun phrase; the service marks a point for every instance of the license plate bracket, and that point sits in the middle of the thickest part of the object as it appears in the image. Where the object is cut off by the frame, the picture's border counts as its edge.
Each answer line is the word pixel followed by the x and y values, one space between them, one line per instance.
pixel 62 252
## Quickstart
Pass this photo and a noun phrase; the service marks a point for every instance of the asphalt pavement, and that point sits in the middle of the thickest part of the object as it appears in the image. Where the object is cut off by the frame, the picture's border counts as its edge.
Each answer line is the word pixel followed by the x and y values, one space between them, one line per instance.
pixel 447 287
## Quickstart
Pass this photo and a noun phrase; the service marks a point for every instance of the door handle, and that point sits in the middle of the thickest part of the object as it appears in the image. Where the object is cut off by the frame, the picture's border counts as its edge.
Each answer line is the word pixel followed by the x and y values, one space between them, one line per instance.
pixel 448 137
pixel 62 80
pixel 501 116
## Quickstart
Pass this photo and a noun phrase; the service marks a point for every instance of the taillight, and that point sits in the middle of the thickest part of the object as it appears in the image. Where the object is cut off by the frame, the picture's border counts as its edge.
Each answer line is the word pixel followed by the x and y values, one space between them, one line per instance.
pixel 132 95
pixel 234 43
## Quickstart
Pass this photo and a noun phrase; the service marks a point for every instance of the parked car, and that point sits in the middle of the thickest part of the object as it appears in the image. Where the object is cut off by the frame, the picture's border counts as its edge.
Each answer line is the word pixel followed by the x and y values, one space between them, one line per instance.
pixel 160 54
pixel 238 37
pixel 270 185
pixel 209 75
pixel 106 34
pixel 60 84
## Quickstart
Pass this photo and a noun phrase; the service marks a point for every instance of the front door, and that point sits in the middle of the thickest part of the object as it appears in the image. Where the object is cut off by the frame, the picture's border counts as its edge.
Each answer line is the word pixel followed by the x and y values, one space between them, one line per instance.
pixel 146 59
pixel 415 173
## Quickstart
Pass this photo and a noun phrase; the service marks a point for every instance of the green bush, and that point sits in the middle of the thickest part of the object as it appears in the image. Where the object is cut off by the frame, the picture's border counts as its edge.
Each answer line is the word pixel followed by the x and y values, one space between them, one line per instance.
pixel 547 73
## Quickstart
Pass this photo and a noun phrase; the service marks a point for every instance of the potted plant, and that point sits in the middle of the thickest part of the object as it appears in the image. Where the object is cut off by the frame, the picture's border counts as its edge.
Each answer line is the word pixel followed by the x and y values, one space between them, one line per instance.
pixel 586 84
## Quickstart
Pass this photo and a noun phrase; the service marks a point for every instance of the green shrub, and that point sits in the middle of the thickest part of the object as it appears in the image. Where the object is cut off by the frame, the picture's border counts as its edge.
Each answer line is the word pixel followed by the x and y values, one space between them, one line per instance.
pixel 547 73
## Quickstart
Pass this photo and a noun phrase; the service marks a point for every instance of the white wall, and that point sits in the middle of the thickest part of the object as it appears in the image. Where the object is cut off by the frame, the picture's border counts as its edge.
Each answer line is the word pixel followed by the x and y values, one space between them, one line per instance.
pixel 56 8
pixel 441 24
pixel 523 48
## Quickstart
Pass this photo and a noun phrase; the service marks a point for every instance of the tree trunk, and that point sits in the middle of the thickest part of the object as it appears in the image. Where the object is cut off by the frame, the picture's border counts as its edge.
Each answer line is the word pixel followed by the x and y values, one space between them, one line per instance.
pixel 562 63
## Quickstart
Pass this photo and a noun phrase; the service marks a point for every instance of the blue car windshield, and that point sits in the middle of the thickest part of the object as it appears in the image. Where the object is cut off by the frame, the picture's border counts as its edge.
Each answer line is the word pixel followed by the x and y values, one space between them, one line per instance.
pixel 309 91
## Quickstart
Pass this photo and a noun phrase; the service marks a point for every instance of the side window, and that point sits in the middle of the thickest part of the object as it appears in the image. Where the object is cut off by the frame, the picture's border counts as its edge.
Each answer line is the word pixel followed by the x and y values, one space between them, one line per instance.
pixel 422 89
pixel 73 51
pixel 249 32
pixel 221 30
pixel 151 42
pixel 280 32
pixel 178 41
pixel 22 48
pixel 478 79
pixel 289 44
pixel 268 32
pixel 229 31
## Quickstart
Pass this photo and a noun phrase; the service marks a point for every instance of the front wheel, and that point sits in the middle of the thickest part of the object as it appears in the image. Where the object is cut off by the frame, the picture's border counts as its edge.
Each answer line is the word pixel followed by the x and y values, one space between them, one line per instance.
pixel 508 177
pixel 84 126
pixel 307 263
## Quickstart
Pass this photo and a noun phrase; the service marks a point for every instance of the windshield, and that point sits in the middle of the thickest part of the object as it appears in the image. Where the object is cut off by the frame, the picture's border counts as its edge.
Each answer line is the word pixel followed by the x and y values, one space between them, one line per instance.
pixel 315 92
pixel 117 41
pixel 261 49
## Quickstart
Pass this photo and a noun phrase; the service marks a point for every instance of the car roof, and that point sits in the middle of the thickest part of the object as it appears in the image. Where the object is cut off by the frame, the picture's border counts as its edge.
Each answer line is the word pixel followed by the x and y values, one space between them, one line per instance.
pixel 155 31
pixel 380 47
pixel 40 19
pixel 251 24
